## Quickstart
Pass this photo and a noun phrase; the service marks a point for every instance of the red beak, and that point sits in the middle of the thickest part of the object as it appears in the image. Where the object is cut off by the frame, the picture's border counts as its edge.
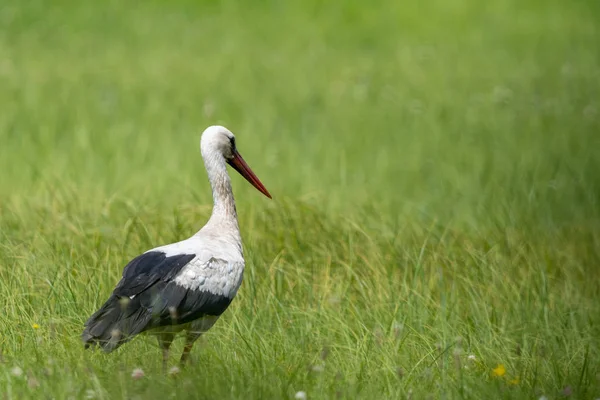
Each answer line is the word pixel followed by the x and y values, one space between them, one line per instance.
pixel 238 163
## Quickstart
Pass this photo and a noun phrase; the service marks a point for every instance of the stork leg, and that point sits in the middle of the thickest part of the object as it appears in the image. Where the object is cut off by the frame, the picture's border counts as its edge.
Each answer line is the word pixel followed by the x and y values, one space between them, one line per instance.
pixel 190 339
pixel 164 341
pixel 198 328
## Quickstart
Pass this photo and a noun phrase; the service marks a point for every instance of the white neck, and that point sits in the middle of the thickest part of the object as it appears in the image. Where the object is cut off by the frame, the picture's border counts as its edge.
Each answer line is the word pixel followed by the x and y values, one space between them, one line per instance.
pixel 224 213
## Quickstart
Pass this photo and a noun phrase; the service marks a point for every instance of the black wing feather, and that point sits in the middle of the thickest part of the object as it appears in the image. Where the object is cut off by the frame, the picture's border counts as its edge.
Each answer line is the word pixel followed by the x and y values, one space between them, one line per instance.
pixel 145 270
pixel 146 298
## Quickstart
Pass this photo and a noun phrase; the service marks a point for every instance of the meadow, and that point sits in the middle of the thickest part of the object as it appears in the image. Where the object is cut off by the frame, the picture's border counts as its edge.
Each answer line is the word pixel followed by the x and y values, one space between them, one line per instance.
pixel 435 170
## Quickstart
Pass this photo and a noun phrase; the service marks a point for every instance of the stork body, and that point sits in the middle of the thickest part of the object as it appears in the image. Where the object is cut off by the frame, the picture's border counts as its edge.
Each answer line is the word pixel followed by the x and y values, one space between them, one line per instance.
pixel 183 286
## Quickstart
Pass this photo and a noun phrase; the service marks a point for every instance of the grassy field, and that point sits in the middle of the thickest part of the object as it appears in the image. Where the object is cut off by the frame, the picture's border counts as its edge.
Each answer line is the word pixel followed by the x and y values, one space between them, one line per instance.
pixel 435 168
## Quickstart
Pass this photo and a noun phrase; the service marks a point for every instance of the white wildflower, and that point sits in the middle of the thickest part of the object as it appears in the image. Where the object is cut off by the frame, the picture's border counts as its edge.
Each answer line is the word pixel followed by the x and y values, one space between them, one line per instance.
pixel 318 368
pixel 137 373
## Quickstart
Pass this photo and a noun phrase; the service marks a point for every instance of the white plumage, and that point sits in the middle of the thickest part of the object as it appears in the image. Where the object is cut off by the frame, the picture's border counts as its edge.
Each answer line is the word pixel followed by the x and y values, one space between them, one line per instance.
pixel 216 276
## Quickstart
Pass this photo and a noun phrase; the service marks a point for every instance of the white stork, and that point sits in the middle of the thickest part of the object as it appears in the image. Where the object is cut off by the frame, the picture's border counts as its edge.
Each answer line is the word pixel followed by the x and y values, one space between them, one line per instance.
pixel 185 285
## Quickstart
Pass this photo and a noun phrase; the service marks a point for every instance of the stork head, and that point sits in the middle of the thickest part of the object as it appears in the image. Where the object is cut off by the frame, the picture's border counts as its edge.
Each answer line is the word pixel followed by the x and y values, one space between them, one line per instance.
pixel 217 141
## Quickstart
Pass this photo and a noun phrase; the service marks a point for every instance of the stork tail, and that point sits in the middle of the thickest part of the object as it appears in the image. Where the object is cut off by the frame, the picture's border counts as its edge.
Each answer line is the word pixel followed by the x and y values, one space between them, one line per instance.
pixel 114 324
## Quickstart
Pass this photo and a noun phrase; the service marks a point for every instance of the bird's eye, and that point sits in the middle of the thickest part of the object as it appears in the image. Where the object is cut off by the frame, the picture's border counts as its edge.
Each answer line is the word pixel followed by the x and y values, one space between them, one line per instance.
pixel 232 142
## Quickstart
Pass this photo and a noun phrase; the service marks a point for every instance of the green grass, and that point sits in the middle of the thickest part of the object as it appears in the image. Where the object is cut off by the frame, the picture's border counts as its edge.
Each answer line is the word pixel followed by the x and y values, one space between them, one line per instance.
pixel 435 168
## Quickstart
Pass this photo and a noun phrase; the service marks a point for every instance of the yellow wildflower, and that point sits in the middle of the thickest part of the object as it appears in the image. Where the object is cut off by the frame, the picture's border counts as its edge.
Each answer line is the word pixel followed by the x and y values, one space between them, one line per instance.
pixel 35 326
pixel 499 370
pixel 514 381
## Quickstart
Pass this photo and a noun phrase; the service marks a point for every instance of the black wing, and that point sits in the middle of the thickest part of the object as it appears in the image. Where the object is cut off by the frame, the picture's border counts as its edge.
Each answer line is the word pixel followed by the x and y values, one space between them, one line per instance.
pixel 147 269
pixel 146 298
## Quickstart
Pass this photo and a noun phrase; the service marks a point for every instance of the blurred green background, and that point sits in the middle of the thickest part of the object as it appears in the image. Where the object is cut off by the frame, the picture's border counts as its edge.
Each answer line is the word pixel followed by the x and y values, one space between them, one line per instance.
pixel 447 150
